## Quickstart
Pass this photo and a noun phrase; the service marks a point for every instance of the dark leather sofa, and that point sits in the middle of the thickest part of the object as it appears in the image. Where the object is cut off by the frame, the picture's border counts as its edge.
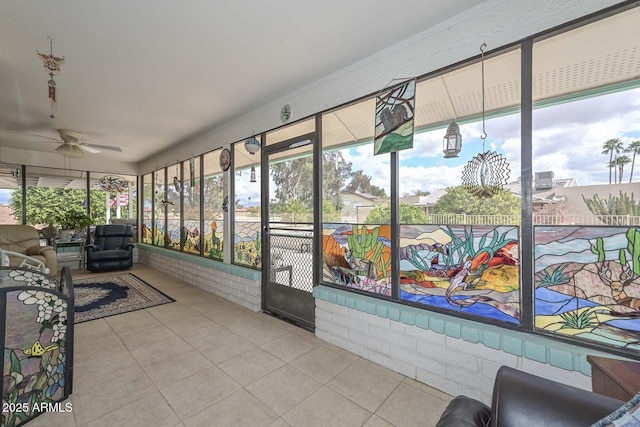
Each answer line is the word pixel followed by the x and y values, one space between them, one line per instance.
pixel 112 248
pixel 524 400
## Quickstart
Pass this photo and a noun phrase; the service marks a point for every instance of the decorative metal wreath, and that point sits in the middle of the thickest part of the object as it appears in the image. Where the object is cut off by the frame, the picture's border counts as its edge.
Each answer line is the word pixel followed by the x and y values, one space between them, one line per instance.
pixel 113 183
pixel 486 174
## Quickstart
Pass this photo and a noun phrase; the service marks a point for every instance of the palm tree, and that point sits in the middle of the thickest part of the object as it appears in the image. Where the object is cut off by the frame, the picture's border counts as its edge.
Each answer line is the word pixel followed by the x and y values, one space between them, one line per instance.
pixel 621 161
pixel 609 147
pixel 633 147
pixel 613 165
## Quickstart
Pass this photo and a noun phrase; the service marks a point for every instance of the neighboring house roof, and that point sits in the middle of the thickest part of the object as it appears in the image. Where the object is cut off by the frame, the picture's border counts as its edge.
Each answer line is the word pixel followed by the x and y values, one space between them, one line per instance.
pixel 364 195
pixel 567 182
pixel 428 200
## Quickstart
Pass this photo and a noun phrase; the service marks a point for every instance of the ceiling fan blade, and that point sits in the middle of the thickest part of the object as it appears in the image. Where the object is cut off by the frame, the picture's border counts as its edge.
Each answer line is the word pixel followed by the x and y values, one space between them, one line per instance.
pixel 103 147
pixel 32 134
pixel 87 149
pixel 57 141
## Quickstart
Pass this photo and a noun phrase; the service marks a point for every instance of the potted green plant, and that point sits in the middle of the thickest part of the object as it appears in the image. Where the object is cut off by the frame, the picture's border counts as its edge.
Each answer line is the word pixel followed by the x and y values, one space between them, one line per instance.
pixel 50 231
pixel 71 222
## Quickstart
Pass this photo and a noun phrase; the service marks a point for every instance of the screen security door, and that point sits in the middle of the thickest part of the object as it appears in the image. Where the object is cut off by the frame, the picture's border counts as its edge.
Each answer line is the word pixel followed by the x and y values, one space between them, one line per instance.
pixel 288 249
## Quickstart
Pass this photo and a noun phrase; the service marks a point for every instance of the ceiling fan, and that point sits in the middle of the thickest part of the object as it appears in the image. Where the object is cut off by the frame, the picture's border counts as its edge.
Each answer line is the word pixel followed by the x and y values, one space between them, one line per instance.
pixel 70 143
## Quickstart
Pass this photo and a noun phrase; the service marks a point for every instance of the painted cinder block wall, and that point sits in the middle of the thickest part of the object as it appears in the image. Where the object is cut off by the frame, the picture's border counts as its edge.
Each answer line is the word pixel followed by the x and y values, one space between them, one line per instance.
pixel 231 282
pixel 454 355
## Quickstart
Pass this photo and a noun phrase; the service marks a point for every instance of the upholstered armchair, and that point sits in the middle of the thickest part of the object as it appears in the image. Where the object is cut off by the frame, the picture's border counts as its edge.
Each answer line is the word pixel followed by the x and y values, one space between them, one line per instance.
pixel 25 240
pixel 112 248
pixel 522 399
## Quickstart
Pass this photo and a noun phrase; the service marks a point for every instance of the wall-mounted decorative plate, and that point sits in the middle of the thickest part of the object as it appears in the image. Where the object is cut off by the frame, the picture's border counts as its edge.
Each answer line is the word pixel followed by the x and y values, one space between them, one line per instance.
pixel 285 113
pixel 225 159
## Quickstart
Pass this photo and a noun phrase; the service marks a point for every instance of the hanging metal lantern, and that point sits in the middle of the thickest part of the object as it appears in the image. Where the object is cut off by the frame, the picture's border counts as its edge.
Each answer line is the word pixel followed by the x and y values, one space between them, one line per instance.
pixel 452 141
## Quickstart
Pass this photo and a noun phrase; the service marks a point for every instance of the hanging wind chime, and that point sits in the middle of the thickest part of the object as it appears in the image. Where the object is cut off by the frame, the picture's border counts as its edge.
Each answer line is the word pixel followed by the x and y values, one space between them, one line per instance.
pixel 176 181
pixel 487 173
pixel 52 65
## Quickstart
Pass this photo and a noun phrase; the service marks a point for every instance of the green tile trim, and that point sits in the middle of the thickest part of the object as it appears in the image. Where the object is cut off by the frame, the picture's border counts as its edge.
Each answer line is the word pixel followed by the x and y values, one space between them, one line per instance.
pixel 537 352
pixel 534 347
pixel 453 330
pixel 491 339
pixel 512 345
pixel 236 270
pixel 470 334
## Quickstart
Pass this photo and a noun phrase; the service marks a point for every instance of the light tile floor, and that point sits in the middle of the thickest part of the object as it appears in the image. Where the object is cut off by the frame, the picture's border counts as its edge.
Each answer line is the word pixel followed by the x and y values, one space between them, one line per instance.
pixel 204 361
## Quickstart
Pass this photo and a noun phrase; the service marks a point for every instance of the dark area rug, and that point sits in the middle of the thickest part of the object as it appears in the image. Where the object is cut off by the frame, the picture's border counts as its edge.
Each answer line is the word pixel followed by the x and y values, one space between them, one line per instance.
pixel 110 295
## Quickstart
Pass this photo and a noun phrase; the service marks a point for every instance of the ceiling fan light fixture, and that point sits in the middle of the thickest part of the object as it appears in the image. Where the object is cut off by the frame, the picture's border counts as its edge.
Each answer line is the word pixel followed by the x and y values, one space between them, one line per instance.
pixel 70 135
pixel 70 150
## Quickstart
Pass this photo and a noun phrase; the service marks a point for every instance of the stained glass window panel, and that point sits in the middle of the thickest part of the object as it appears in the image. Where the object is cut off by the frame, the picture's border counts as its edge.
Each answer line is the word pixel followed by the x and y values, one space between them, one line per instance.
pixel 356 239
pixel 173 200
pixel 587 283
pixel 472 269
pixel 191 203
pixel 213 200
pixel 160 208
pixel 247 230
pixel 147 223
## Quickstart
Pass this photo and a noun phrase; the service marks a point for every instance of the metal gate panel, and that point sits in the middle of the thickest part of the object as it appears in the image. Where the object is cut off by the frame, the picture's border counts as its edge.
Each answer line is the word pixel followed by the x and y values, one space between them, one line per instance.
pixel 290 284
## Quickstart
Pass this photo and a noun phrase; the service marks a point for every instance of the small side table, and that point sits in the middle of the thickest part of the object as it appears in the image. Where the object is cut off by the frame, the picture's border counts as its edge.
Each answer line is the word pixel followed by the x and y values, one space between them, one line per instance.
pixel 69 252
pixel 614 377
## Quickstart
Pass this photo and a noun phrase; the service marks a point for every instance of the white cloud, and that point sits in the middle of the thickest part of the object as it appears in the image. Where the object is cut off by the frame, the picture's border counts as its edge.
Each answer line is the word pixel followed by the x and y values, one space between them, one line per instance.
pixel 377 167
pixel 568 138
pixel 428 179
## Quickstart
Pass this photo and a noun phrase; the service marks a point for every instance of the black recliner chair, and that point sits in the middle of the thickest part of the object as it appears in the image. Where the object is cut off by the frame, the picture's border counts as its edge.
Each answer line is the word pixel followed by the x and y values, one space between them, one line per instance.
pixel 521 399
pixel 112 248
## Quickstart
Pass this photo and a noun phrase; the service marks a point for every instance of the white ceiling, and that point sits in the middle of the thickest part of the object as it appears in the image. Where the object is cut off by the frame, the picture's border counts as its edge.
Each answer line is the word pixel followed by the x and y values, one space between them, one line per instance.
pixel 145 75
